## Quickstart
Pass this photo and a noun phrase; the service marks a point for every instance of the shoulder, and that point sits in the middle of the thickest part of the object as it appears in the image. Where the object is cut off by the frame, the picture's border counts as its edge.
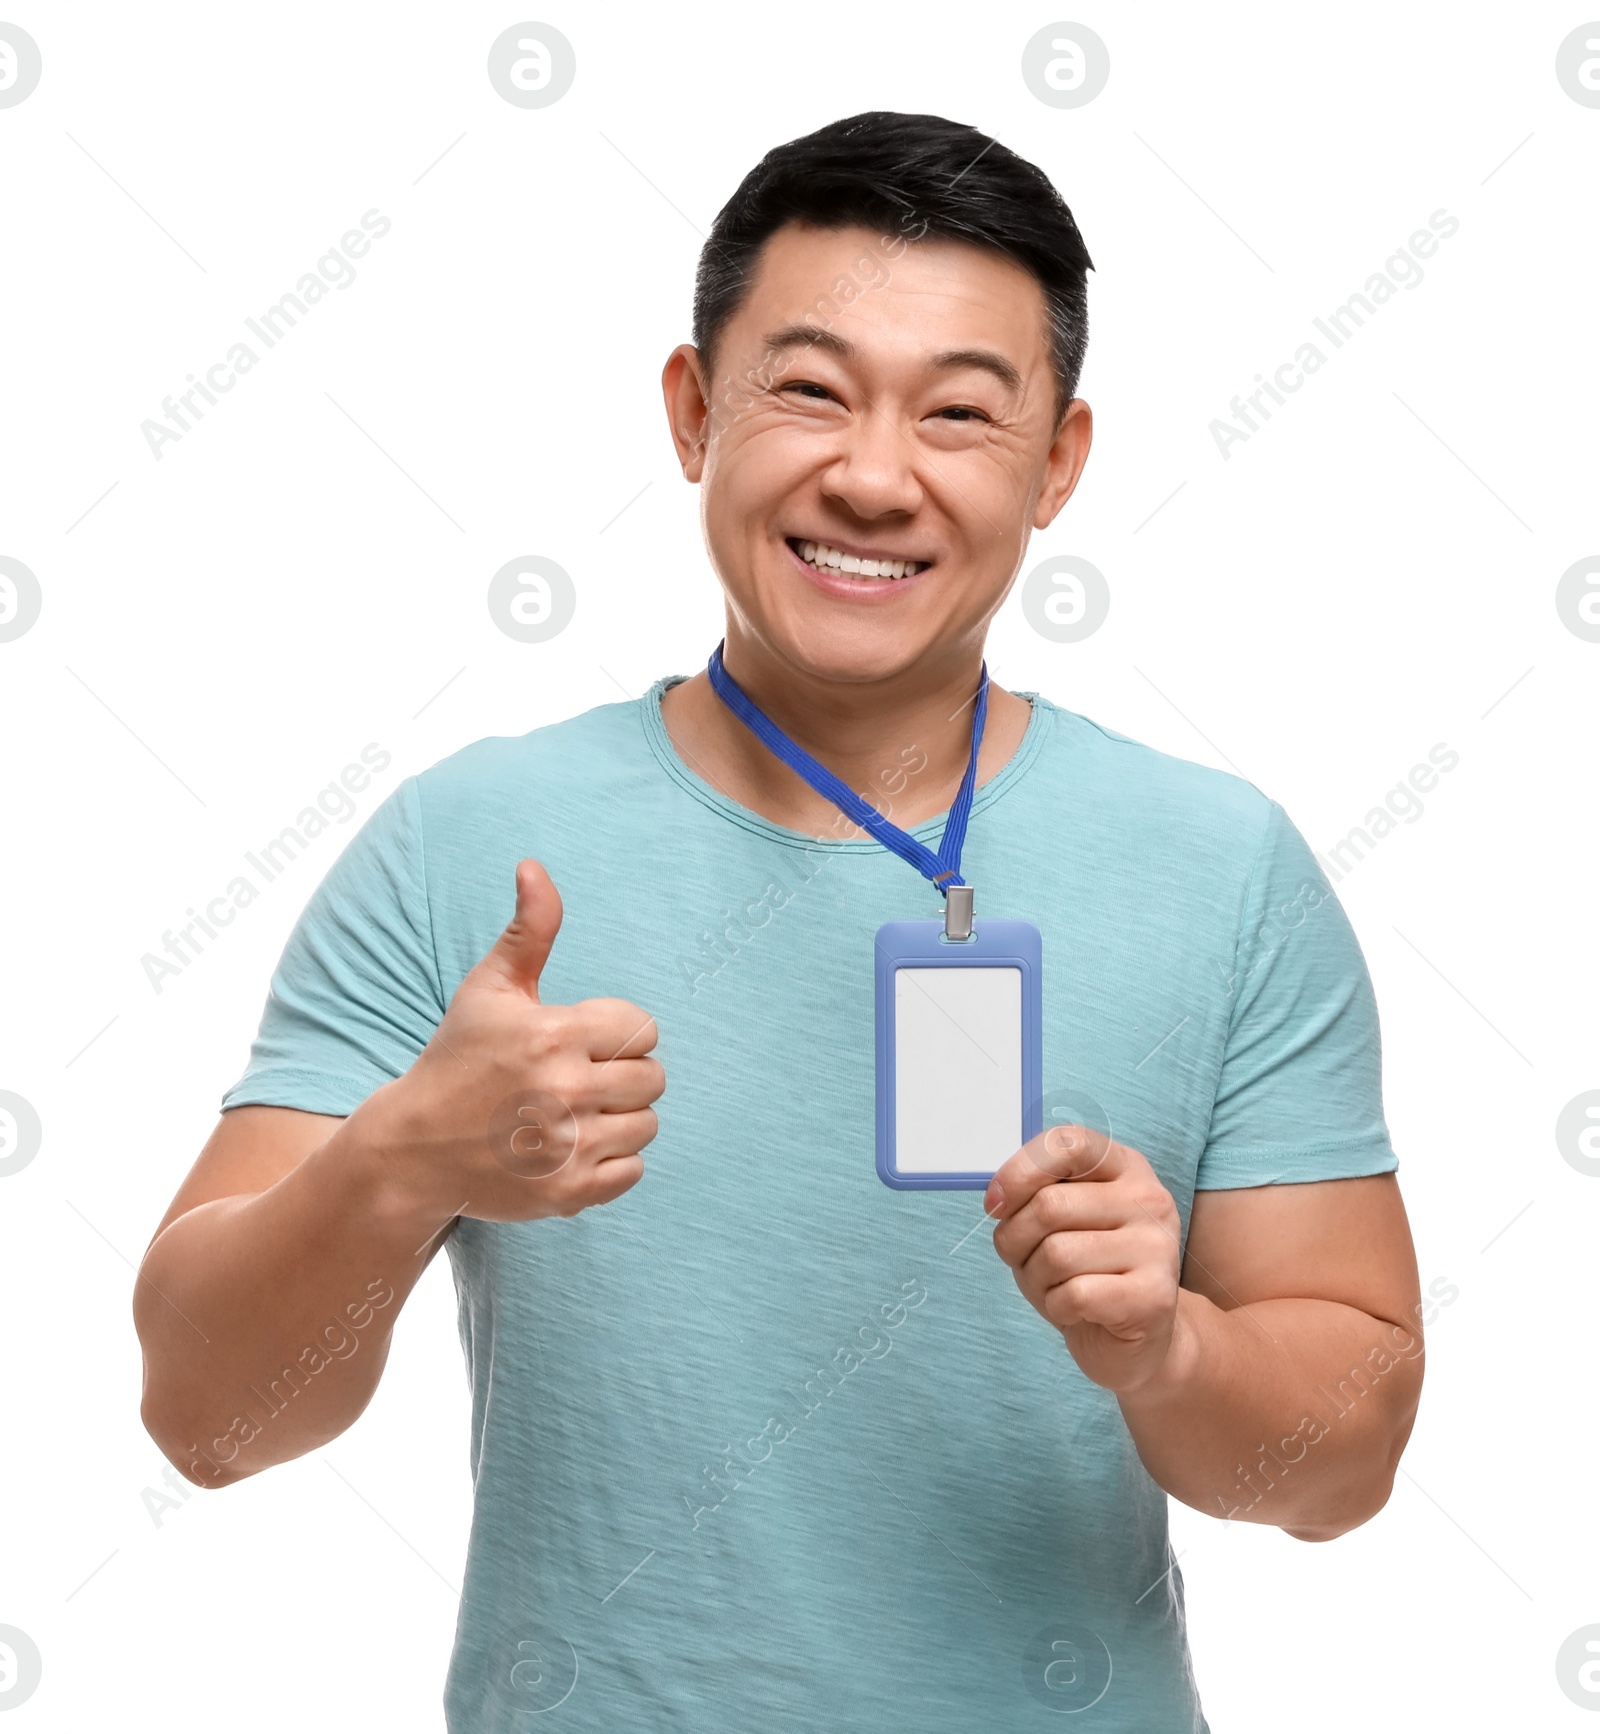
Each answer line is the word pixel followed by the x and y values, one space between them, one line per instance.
pixel 1169 804
pixel 580 752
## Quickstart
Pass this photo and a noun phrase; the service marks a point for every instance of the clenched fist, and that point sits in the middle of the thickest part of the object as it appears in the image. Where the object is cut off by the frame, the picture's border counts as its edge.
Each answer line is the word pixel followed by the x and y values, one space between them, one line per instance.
pixel 1091 1235
pixel 516 1109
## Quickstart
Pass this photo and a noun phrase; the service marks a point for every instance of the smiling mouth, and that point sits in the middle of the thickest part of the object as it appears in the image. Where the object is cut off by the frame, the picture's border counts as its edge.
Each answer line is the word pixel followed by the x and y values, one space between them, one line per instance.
pixel 824 557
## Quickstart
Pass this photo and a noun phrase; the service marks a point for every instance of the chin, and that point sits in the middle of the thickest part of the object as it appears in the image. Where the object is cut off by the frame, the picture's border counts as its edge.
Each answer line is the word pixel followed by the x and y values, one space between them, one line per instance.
pixel 849 651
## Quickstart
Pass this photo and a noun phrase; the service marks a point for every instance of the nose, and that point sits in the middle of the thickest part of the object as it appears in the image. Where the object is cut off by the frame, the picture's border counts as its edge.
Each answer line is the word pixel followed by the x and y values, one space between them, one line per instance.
pixel 874 474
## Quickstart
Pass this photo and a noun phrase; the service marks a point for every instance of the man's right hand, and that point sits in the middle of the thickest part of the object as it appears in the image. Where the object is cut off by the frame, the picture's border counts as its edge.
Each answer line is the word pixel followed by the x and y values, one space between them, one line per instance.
pixel 291 1223
pixel 516 1109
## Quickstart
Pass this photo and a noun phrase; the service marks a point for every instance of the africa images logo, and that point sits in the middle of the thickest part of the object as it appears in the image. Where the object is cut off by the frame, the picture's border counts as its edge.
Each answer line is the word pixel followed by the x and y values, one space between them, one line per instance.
pixel 333 805
pixel 1401 270
pixel 335 270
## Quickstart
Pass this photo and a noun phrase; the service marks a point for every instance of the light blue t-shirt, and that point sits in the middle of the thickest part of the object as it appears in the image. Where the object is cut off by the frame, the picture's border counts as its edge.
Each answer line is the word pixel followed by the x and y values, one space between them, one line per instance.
pixel 765 1444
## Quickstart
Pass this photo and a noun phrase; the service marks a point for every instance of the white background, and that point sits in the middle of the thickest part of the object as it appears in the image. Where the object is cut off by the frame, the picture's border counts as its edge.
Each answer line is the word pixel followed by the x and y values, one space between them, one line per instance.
pixel 1370 574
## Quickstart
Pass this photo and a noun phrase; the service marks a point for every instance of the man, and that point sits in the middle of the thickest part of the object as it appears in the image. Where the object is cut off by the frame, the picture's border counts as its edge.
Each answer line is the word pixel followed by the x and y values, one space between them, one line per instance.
pixel 756 1440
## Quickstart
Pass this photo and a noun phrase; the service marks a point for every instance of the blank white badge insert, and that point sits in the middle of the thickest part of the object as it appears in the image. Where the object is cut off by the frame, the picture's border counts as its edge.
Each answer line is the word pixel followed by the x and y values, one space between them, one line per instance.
pixel 958 1068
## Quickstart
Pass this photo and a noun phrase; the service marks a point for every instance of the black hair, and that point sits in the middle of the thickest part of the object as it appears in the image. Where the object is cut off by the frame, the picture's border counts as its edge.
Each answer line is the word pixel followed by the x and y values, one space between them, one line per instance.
pixel 913 175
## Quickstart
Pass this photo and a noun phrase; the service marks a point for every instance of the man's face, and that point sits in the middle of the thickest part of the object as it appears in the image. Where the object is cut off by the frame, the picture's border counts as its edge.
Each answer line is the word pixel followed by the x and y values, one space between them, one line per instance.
pixel 918 428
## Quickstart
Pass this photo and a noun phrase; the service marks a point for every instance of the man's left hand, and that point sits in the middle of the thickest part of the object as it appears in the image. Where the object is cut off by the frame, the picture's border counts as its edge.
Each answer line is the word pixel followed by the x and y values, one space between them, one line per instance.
pixel 1092 1237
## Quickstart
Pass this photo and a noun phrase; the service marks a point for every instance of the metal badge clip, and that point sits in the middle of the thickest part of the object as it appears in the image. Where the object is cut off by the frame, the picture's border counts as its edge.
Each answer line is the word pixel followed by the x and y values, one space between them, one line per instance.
pixel 958 912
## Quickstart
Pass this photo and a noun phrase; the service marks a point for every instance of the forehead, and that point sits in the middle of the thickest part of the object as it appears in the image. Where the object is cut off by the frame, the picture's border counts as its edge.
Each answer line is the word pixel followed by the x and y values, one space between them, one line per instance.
pixel 880 291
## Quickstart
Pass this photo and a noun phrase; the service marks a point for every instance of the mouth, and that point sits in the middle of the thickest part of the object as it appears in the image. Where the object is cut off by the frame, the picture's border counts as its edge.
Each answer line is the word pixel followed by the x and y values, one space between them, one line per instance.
pixel 862 567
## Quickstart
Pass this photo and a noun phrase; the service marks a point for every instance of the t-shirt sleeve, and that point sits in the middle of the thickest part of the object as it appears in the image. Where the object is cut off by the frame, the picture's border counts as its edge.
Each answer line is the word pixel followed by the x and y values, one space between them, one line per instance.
pixel 1300 1093
pixel 357 992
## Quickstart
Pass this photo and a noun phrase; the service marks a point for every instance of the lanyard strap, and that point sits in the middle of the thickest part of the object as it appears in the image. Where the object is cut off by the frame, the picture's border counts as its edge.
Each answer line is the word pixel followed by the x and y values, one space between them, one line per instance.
pixel 944 869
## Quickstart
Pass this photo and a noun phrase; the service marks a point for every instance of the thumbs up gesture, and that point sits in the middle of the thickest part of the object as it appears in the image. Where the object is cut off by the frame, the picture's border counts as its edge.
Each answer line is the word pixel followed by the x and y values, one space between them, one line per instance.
pixel 517 1109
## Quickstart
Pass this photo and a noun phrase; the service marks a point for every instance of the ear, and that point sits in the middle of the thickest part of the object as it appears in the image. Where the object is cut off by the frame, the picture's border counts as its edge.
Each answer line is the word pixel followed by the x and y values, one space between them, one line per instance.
pixel 684 392
pixel 1069 452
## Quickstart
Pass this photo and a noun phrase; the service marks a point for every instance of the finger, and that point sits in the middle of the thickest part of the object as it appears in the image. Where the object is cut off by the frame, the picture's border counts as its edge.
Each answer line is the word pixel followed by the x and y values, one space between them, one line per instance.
pixel 624 1084
pixel 1056 1210
pixel 518 956
pixel 613 1177
pixel 1060 1257
pixel 625 1134
pixel 1059 1153
pixel 616 1029
pixel 1126 1304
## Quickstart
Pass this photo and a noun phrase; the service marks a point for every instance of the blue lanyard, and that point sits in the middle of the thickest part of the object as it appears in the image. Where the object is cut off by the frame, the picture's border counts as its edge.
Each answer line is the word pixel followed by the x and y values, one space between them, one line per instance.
pixel 944 869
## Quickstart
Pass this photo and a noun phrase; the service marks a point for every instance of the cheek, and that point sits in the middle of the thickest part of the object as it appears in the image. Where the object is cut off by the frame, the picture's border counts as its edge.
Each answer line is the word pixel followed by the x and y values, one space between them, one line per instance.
pixel 767 475
pixel 755 466
pixel 982 490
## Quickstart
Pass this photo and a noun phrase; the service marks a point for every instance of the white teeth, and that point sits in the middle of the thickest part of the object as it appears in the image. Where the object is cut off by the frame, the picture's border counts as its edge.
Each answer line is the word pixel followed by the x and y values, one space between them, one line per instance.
pixel 827 558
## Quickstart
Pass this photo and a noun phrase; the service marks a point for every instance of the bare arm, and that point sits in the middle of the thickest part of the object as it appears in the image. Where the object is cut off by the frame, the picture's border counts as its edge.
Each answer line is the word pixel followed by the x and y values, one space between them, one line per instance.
pixel 1272 1374
pixel 266 1300
pixel 1297 1357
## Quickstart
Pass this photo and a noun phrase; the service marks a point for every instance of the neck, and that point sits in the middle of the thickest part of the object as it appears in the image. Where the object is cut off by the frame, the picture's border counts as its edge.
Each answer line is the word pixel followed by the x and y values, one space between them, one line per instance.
pixel 903 742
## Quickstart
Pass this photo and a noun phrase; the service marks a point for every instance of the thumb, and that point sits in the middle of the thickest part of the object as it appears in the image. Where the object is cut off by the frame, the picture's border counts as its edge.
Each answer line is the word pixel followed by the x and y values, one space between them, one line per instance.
pixel 519 954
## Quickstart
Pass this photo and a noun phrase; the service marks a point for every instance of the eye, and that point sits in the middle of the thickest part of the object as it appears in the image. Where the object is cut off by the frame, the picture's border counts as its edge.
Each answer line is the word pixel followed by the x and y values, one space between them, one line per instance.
pixel 963 412
pixel 808 385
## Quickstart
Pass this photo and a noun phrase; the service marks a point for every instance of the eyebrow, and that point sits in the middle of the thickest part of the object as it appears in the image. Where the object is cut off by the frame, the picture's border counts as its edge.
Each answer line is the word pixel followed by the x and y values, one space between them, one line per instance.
pixel 947 360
